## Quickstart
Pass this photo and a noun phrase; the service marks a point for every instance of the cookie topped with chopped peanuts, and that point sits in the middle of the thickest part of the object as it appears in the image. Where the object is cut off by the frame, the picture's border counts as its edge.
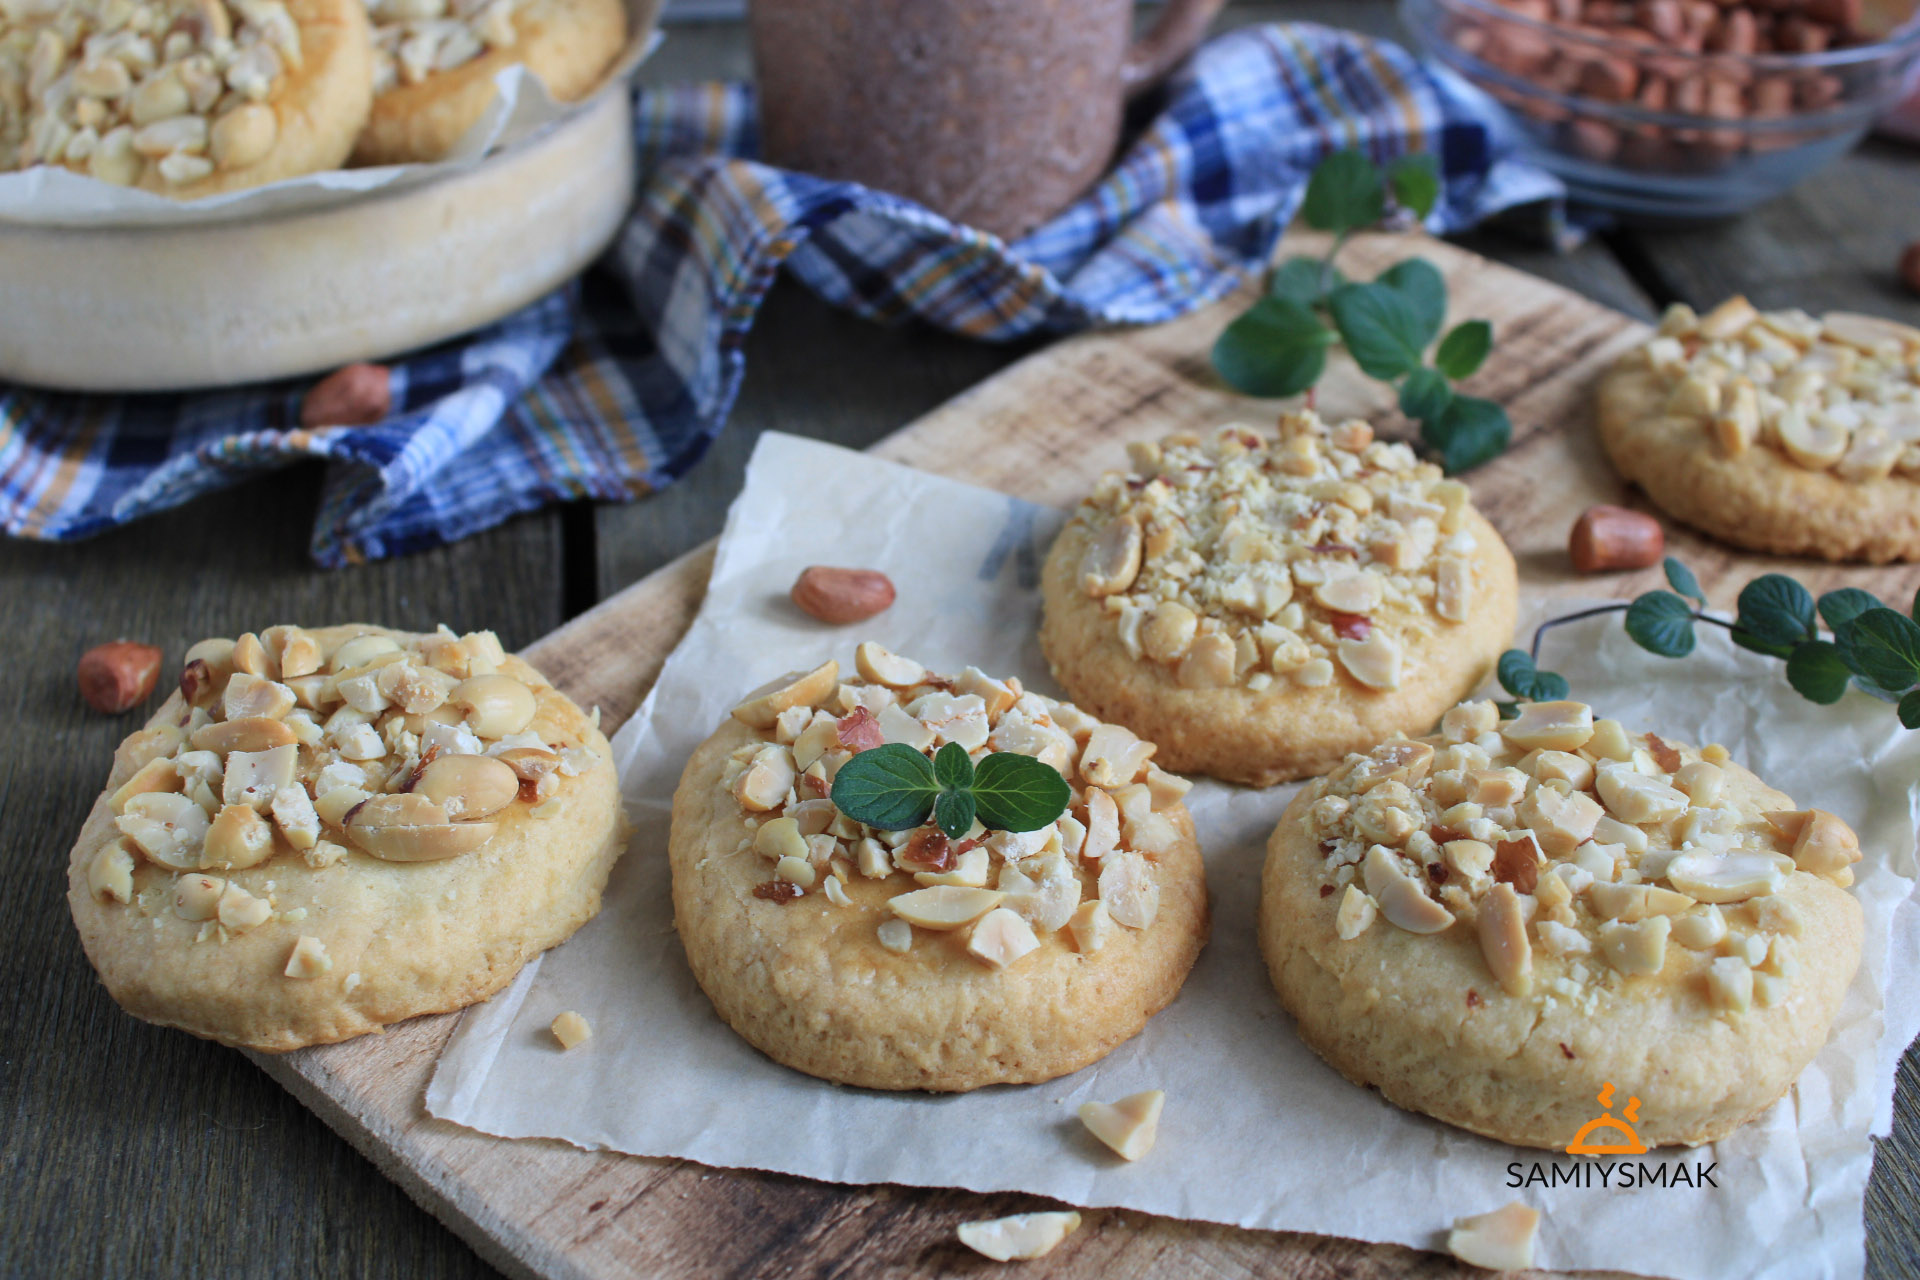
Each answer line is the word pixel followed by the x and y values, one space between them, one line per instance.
pixel 922 948
pixel 186 98
pixel 1261 603
pixel 1545 904
pixel 324 831
pixel 434 63
pixel 1775 430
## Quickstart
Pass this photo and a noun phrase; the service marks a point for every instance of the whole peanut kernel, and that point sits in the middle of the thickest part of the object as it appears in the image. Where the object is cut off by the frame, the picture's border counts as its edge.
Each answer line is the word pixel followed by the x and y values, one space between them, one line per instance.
pixel 1607 538
pixel 357 395
pixel 118 676
pixel 840 596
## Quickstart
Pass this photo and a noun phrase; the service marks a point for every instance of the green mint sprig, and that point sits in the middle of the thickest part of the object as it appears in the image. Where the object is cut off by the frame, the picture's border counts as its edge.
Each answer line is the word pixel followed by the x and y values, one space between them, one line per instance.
pixel 1279 346
pixel 893 787
pixel 1868 645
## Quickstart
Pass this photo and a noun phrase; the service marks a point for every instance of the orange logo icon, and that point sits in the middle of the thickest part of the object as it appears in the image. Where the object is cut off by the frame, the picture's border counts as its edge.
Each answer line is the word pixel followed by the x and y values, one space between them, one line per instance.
pixel 1626 1144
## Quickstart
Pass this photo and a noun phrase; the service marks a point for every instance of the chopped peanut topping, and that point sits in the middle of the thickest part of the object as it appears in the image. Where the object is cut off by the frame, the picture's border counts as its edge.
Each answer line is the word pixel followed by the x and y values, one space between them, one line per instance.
pixel 1577 853
pixel 1094 873
pixel 1839 394
pixel 1242 557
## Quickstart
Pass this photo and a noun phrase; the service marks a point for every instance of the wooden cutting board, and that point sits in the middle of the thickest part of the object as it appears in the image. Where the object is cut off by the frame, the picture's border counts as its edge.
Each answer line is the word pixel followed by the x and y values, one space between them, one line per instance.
pixel 1042 429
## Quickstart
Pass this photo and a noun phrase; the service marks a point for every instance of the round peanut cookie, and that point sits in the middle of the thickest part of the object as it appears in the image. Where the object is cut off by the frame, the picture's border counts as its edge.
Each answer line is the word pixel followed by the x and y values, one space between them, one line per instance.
pixel 187 98
pixel 435 62
pixel 1261 606
pixel 903 960
pixel 1775 431
pixel 326 831
pixel 1501 923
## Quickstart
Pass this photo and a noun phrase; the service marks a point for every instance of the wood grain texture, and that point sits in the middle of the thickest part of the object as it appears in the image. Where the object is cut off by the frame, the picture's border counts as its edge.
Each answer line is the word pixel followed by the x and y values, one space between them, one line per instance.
pixel 1043 429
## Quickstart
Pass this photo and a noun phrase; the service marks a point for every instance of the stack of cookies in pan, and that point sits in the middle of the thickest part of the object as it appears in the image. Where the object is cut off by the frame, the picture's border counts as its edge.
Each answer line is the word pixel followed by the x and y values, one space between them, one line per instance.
pixel 191 98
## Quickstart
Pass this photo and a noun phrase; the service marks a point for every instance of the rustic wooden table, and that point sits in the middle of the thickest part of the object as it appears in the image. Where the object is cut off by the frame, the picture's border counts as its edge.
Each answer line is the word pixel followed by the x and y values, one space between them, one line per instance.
pixel 132 1151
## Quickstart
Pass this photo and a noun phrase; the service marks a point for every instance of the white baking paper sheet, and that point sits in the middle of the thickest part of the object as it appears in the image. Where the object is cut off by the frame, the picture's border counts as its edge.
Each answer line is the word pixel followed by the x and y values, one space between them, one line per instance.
pixel 1257 1131
pixel 48 195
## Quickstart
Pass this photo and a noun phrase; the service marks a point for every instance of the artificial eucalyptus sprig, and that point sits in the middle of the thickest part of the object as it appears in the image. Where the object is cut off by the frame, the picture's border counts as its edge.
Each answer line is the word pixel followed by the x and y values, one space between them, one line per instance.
pixel 893 787
pixel 1869 646
pixel 1278 347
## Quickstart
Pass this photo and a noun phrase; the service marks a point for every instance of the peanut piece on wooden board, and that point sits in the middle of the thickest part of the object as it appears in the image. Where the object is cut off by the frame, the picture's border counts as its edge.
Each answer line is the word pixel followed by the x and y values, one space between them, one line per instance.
pixel 118 676
pixel 1499 1241
pixel 1606 539
pixel 840 596
pixel 357 395
pixel 1024 1235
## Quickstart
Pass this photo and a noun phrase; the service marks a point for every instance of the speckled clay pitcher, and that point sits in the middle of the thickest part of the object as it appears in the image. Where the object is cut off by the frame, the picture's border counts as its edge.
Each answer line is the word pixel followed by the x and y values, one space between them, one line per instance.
pixel 997 113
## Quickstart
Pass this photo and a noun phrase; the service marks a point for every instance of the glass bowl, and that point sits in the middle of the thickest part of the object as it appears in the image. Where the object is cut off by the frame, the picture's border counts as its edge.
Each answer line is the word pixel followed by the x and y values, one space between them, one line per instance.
pixel 1647 127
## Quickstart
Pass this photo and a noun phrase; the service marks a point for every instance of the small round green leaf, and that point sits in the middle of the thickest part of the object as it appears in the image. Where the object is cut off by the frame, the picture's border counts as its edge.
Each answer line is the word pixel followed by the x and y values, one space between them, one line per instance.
pixel 1846 604
pixel 1017 793
pixel 1775 610
pixel 1425 395
pixel 1682 580
pixel 1661 622
pixel 891 787
pixel 1815 671
pixel 1470 432
pixel 1344 193
pixel 1425 290
pixel 1910 710
pixel 952 768
pixel 1380 327
pixel 1298 279
pixel 1883 646
pixel 953 813
pixel 1519 677
pixel 1464 349
pixel 1415 181
pixel 1277 348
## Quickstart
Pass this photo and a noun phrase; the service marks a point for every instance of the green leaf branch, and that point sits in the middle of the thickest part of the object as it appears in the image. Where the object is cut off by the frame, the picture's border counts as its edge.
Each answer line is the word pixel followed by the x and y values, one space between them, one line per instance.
pixel 1279 346
pixel 1867 645
pixel 893 787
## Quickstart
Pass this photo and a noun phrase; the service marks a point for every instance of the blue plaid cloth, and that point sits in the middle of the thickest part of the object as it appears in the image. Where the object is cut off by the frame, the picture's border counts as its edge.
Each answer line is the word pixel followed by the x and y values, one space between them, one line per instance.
pixel 614 386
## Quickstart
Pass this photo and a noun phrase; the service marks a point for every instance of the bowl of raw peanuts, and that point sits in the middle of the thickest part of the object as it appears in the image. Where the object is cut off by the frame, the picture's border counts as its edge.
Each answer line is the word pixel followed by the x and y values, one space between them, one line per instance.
pixel 1676 108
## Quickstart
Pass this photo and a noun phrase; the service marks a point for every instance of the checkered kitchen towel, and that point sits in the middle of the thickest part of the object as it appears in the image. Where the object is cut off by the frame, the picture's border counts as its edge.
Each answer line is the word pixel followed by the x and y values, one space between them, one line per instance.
pixel 613 386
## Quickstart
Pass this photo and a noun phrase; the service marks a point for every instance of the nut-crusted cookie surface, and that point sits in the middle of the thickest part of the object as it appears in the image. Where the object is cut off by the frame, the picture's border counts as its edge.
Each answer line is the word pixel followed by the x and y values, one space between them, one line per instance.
pixel 435 60
pixel 186 98
pixel 1259 606
pixel 904 960
pixel 326 831
pixel 1777 430
pixel 1494 924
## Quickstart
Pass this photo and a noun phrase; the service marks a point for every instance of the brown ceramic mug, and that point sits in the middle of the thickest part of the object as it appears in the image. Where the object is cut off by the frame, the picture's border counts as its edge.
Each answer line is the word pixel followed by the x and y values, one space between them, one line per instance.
pixel 996 113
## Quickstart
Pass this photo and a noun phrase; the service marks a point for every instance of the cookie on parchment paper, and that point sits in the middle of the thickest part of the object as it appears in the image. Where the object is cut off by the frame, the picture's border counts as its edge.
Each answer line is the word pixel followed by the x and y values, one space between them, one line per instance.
pixel 1260 606
pixel 903 960
pixel 1498 924
pixel 1777 431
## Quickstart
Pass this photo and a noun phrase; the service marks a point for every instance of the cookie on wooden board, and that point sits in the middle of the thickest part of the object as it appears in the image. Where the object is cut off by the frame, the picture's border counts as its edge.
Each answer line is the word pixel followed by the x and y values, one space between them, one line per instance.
pixel 435 60
pixel 327 831
pixel 187 98
pixel 1499 923
pixel 1776 431
pixel 903 960
pixel 1261 605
